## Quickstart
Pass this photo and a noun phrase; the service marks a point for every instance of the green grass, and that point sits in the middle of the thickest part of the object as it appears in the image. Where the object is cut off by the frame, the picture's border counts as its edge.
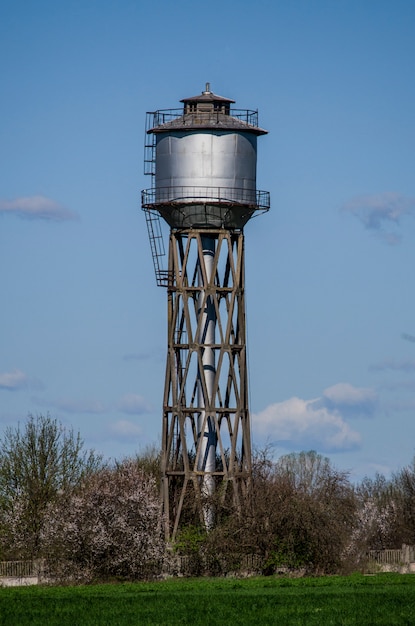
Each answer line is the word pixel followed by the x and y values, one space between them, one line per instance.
pixel 387 599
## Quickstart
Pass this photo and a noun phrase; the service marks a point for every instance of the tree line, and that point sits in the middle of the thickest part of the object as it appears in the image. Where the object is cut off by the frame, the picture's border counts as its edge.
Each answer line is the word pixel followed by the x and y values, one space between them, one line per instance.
pixel 90 519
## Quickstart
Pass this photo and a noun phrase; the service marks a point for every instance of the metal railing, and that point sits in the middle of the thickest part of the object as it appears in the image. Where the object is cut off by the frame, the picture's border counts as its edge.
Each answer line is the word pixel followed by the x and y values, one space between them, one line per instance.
pixel 18 569
pixel 157 118
pixel 218 195
pixel 386 557
pixel 186 565
pixel 393 557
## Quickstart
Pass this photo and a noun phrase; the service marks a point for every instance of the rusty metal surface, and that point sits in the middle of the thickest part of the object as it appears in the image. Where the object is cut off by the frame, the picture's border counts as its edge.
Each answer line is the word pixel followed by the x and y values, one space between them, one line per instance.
pixel 225 396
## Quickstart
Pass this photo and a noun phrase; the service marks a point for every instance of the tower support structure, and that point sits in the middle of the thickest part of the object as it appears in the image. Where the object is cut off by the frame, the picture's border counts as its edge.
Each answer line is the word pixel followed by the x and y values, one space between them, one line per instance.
pixel 202 161
pixel 206 439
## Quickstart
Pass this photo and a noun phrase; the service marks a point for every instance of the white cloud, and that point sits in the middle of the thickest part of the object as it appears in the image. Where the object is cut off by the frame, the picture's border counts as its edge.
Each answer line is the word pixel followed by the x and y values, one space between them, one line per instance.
pixel 307 424
pixel 133 404
pixel 79 406
pixel 13 380
pixel 406 385
pixel 345 393
pixel 408 337
pixel 407 365
pixel 349 400
pixel 124 430
pixel 37 207
pixel 378 212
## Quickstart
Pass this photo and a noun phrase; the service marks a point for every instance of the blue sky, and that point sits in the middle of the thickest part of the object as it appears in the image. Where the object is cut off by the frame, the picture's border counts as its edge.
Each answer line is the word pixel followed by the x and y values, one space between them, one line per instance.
pixel 329 270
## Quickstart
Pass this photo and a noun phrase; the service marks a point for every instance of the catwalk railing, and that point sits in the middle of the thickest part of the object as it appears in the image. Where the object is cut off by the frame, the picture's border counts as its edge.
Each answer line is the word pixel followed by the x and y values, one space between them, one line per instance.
pixel 158 118
pixel 191 194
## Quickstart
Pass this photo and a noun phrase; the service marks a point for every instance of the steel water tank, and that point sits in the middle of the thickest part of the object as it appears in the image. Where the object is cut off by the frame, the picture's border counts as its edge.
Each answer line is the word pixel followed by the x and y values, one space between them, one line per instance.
pixel 205 163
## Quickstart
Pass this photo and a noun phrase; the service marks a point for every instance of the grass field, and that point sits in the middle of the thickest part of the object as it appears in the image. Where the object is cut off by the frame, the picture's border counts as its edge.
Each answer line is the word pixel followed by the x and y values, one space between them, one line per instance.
pixel 387 599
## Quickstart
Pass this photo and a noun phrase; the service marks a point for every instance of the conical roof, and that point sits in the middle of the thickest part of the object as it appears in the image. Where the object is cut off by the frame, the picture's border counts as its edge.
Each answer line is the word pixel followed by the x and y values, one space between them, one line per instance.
pixel 208 96
pixel 208 111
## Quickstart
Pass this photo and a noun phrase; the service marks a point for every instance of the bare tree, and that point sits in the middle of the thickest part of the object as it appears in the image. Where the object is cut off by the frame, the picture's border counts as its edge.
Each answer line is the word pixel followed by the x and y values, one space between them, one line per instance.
pixel 309 510
pixel 37 463
pixel 301 515
pixel 403 483
pixel 149 461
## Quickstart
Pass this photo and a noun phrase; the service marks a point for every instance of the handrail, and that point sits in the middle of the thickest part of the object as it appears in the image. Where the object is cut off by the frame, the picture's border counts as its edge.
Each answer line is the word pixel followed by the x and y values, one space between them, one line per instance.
pixel 218 195
pixel 162 116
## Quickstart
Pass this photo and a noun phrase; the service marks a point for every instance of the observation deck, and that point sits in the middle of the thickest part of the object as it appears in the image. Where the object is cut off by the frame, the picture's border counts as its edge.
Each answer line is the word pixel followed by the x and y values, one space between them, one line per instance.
pixel 202 207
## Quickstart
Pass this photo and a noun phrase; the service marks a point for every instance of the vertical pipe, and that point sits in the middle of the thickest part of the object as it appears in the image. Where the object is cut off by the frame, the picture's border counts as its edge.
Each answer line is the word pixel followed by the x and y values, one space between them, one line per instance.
pixel 206 431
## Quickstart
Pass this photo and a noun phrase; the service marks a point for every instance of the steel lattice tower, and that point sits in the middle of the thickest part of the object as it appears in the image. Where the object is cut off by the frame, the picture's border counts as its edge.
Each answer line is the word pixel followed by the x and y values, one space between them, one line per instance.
pixel 203 162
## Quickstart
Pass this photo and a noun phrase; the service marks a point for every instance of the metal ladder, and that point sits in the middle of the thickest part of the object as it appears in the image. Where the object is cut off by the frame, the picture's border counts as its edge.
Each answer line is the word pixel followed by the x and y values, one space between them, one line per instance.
pixel 152 217
pixel 155 237
pixel 149 148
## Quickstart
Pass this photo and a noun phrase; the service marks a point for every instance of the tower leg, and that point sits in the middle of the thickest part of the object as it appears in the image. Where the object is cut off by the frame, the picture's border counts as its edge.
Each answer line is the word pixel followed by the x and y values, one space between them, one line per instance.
pixel 206 444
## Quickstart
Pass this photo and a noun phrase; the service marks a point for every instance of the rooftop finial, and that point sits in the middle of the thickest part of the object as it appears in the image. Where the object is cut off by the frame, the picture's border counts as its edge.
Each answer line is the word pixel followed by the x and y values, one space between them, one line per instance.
pixel 207 90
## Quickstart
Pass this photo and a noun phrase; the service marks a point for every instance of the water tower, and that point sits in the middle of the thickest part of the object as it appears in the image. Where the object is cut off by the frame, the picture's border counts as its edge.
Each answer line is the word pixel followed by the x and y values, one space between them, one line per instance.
pixel 202 160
